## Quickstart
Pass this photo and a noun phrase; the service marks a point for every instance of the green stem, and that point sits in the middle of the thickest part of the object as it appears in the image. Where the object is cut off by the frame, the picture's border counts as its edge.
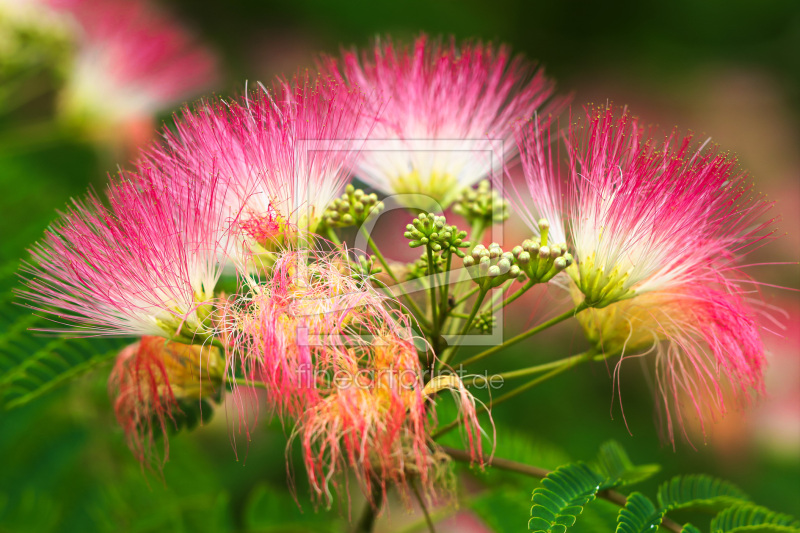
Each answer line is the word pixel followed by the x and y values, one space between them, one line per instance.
pixel 467 325
pixel 247 383
pixel 476 232
pixel 536 369
pixel 466 296
pixel 411 303
pixel 332 236
pixel 367 521
pixel 540 473
pixel 522 336
pixel 445 289
pixel 432 289
pixel 428 520
pixel 379 255
pixel 522 290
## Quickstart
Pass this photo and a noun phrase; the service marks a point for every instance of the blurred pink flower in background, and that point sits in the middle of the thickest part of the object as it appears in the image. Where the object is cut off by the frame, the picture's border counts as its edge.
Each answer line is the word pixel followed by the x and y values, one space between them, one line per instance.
pixel 120 62
pixel 131 61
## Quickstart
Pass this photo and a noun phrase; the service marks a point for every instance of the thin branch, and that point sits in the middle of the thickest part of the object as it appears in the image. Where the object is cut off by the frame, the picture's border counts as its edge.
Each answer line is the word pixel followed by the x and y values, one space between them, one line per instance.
pixel 522 336
pixel 428 519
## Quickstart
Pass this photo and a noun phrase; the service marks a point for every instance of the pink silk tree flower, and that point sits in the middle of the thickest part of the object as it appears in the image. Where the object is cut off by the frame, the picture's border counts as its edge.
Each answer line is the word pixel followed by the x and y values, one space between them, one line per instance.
pixel 287 151
pixel 442 109
pixel 146 265
pixel 149 381
pixel 338 357
pixel 131 61
pixel 653 216
pixel 659 230
pixel 643 215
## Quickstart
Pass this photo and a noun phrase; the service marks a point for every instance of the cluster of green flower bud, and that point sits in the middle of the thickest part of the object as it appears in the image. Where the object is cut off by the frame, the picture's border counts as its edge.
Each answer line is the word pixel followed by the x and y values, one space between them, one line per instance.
pixel 540 261
pixel 481 205
pixel 420 269
pixel 534 260
pixel 491 267
pixel 485 323
pixel 353 208
pixel 433 231
pixel 366 267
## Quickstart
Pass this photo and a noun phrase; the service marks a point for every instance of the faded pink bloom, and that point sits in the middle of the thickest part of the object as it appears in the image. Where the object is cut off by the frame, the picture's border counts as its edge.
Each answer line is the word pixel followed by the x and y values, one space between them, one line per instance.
pixel 440 108
pixel 292 325
pixel 371 420
pixel 287 152
pixel 150 378
pixel 357 400
pixel 131 61
pixel 146 265
pixel 336 355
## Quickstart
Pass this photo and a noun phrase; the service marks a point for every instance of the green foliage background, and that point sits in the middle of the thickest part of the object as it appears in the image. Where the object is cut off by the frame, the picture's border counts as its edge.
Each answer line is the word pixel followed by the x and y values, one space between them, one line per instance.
pixel 63 462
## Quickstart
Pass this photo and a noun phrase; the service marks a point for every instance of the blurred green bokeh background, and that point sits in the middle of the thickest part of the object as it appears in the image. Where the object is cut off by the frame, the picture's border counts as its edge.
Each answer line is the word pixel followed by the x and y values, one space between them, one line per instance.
pixel 726 69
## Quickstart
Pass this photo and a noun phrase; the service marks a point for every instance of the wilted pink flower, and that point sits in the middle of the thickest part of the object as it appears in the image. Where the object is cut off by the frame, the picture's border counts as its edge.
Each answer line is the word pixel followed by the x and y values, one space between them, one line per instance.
pixel 131 61
pixel 146 265
pixel 289 330
pixel 287 152
pixel 371 420
pixel 336 355
pixel 441 107
pixel 357 400
pixel 150 378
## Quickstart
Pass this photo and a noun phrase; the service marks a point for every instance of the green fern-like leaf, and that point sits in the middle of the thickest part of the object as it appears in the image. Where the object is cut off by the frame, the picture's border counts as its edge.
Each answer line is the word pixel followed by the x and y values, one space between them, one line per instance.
pixel 30 365
pixel 560 499
pixel 689 528
pixel 699 490
pixel 639 515
pixel 613 463
pixel 753 518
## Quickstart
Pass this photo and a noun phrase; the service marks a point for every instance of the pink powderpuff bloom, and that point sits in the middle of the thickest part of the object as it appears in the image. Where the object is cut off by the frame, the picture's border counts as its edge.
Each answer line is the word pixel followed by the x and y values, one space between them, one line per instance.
pixel 131 61
pixel 642 215
pixel 442 109
pixel 149 381
pixel 658 230
pixel 146 265
pixel 287 151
